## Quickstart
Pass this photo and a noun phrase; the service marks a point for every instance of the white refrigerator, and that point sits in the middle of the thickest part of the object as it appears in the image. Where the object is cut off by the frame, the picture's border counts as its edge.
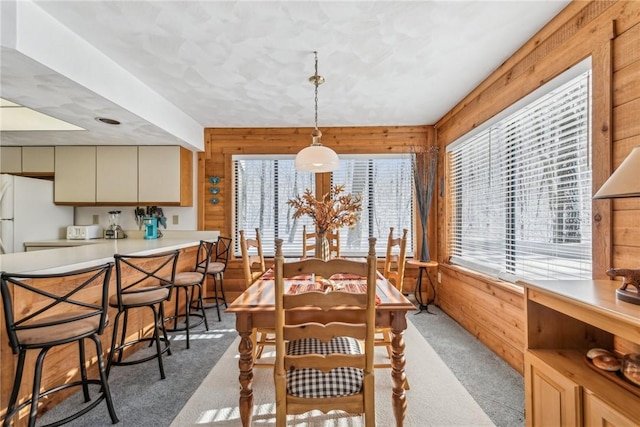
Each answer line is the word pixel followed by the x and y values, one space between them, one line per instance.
pixel 27 213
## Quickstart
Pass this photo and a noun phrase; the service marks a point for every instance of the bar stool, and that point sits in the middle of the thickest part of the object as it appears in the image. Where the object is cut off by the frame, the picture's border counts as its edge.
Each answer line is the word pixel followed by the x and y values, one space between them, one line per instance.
pixel 216 271
pixel 67 311
pixel 189 282
pixel 142 282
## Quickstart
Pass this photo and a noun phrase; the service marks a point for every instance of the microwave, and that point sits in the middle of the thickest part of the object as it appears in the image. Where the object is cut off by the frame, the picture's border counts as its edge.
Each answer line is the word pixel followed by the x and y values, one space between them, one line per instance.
pixel 84 232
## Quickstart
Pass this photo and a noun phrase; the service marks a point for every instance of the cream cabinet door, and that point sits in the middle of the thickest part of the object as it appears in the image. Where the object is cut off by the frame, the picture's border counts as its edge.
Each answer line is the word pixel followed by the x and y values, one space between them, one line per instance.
pixel 10 159
pixel 117 174
pixel 38 160
pixel 158 175
pixel 75 175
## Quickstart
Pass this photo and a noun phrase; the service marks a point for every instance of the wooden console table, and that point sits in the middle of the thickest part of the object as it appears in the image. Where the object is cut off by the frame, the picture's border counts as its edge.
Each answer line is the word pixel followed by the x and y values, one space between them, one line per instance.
pixel 564 319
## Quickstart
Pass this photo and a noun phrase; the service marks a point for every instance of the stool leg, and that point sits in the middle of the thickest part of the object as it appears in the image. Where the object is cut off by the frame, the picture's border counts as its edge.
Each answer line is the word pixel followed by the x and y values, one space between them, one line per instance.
pixel 201 302
pixel 35 396
pixel 215 295
pixel 157 318
pixel 114 340
pixel 187 310
pixel 103 379
pixel 163 329
pixel 224 299
pixel 176 308
pixel 83 371
pixel 16 387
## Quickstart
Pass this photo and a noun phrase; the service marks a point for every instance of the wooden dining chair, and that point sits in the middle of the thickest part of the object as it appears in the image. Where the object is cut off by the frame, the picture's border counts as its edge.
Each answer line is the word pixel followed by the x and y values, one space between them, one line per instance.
pixel 252 264
pixel 394 265
pixel 334 243
pixel 394 262
pixel 324 366
pixel 254 267
pixel 308 242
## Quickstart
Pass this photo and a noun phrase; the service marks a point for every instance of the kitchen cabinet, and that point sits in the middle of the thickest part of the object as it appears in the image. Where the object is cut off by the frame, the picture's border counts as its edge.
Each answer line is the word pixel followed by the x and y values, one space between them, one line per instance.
pixel 75 175
pixel 38 161
pixel 564 319
pixel 123 175
pixel 117 174
pixel 165 176
pixel 10 159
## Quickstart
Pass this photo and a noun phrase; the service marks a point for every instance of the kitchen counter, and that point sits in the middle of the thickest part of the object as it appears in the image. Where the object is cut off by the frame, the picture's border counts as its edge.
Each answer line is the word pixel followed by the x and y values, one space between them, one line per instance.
pixel 96 251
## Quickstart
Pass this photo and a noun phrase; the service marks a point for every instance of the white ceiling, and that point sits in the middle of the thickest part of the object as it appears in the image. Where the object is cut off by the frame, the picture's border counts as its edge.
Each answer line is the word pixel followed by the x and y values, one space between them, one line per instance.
pixel 168 69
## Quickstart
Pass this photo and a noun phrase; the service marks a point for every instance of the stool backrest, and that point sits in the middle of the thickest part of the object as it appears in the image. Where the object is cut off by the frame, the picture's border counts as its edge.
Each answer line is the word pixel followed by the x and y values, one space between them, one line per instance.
pixel 223 250
pixel 145 273
pixel 203 257
pixel 33 301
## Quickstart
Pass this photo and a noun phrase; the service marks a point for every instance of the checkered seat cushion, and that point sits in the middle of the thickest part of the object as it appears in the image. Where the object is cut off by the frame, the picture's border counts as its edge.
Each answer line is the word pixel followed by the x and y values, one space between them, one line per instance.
pixel 311 383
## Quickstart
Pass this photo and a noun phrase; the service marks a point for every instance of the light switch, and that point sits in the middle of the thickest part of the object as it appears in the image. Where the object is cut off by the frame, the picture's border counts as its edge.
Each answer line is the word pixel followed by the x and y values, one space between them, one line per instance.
pixel 175 219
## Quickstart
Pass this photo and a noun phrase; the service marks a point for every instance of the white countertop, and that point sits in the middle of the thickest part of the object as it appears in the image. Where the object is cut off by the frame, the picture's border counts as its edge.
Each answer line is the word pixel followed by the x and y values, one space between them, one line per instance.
pixel 97 252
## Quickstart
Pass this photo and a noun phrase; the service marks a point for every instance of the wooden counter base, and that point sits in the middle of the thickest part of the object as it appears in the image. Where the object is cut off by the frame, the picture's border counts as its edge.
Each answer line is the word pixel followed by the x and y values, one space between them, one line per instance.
pixel 61 363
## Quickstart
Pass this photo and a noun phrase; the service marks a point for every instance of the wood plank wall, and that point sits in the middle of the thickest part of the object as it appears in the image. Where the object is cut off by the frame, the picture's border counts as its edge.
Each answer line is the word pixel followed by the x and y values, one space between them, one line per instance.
pixel 222 144
pixel 609 32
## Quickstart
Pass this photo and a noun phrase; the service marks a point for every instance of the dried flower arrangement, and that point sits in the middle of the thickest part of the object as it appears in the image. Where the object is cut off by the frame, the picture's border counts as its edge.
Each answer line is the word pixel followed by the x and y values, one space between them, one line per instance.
pixel 332 211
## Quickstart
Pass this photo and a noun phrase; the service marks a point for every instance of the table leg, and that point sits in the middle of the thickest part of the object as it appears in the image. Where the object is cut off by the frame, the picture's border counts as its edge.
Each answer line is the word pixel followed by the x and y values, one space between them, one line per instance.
pixel 245 363
pixel 398 395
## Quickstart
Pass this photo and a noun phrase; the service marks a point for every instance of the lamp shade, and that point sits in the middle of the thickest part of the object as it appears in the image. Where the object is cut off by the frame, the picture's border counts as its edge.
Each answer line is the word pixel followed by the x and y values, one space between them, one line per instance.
pixel 317 158
pixel 625 180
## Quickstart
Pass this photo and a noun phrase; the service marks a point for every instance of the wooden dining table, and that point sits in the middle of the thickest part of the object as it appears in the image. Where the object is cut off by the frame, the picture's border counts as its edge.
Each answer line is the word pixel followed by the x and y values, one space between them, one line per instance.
pixel 255 308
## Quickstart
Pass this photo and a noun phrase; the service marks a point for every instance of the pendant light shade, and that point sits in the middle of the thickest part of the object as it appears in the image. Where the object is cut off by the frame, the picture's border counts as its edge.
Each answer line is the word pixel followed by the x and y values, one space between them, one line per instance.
pixel 316 158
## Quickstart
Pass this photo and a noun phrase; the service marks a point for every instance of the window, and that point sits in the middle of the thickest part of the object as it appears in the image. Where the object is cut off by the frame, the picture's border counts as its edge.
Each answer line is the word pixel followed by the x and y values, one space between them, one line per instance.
pixel 386 185
pixel 264 184
pixel 521 190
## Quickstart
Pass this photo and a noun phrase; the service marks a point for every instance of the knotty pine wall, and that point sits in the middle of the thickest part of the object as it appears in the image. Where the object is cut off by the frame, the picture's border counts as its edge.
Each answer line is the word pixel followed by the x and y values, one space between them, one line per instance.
pixel 222 144
pixel 609 32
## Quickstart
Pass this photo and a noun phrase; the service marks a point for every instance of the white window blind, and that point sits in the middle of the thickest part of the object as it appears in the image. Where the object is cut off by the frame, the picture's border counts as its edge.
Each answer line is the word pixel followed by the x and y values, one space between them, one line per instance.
pixel 263 187
pixel 264 184
pixel 521 191
pixel 386 185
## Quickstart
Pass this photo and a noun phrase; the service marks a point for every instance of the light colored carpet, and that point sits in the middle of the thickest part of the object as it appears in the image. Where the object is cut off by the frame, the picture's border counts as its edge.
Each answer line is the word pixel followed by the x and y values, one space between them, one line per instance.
pixel 436 397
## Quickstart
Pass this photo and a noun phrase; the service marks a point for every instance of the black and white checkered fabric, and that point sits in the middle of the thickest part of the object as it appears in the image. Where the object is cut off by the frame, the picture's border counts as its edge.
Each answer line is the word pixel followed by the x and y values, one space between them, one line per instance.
pixel 309 382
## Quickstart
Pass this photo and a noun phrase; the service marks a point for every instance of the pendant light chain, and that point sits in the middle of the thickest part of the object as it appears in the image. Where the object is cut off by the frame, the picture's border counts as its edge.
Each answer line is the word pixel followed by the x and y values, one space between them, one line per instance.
pixel 315 83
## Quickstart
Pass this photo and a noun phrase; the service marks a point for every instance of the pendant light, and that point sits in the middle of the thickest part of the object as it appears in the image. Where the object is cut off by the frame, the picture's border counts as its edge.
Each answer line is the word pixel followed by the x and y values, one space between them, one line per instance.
pixel 316 157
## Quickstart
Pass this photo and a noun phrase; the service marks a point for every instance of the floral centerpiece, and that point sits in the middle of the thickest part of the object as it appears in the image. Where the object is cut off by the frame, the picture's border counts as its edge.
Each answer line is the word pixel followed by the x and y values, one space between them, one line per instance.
pixel 332 211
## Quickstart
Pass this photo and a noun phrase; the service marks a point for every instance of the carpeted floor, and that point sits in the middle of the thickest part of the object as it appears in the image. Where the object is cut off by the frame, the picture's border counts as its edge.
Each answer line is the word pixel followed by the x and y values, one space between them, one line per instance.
pixel 436 397
pixel 142 399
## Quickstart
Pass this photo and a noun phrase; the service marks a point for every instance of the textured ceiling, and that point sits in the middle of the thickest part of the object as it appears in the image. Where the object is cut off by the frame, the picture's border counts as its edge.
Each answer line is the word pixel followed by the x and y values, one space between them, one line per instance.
pixel 167 69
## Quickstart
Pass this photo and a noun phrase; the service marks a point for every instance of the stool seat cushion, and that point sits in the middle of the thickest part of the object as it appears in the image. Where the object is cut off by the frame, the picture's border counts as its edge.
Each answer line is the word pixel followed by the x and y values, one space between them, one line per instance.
pixel 60 332
pixel 187 278
pixel 312 383
pixel 140 298
pixel 214 267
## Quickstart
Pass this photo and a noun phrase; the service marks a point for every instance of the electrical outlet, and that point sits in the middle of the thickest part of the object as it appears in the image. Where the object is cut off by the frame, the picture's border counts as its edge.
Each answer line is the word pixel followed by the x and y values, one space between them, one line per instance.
pixel 175 219
pixel 96 219
pixel 439 277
